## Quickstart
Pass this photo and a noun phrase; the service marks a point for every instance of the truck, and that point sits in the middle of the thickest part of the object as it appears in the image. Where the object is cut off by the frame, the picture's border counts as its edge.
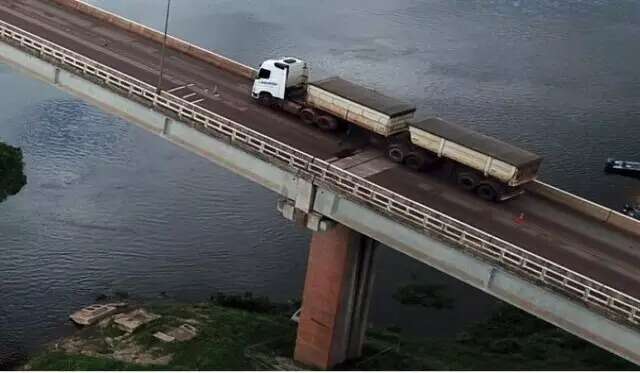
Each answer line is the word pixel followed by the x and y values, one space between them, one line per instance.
pixel 494 170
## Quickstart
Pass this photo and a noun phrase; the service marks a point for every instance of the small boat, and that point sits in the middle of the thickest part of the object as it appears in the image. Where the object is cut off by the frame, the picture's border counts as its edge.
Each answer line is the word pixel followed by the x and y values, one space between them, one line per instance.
pixel 626 168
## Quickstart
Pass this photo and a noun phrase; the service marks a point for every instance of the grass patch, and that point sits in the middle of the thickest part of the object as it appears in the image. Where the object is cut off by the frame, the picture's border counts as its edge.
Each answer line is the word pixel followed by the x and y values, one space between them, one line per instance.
pixel 62 361
pixel 236 339
pixel 510 340
pixel 246 301
pixel 223 337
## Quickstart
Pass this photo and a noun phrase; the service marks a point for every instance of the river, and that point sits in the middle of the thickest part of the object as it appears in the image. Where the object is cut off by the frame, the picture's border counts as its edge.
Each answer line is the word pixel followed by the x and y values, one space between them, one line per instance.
pixel 109 207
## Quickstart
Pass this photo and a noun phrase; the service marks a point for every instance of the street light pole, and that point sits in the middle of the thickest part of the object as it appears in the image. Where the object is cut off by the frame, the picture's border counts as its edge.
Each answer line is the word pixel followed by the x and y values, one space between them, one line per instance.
pixel 164 45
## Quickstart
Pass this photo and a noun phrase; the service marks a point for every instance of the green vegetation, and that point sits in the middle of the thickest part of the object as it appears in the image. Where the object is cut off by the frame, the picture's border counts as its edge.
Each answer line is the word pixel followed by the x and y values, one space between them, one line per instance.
pixel 223 336
pixel 245 301
pixel 238 339
pixel 510 340
pixel 12 178
pixel 62 361
pixel 424 295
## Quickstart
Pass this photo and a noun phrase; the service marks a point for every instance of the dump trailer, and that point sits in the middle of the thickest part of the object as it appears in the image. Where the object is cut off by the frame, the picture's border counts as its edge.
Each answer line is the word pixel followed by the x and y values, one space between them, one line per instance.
pixel 491 168
pixel 361 106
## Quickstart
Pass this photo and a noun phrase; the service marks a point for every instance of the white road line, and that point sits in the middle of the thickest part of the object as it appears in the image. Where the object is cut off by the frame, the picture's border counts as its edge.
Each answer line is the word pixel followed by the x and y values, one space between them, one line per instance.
pixel 189 95
pixel 175 89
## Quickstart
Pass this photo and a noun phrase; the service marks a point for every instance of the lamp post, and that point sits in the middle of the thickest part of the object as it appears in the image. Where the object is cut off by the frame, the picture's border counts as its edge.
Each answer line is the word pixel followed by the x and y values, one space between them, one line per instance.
pixel 164 45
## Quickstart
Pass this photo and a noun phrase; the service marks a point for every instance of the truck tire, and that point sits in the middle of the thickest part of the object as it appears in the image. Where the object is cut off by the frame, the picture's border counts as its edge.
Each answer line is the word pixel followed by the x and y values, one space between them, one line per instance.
pixel 327 123
pixel 415 161
pixel 265 99
pixel 467 180
pixel 308 116
pixel 487 192
pixel 396 153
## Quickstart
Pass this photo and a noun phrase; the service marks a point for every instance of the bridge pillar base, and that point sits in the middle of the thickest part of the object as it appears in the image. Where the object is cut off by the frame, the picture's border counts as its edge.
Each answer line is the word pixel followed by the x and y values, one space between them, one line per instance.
pixel 336 298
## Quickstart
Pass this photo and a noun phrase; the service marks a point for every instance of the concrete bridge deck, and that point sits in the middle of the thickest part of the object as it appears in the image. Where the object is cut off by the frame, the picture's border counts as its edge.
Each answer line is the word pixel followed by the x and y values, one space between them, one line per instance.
pixel 551 229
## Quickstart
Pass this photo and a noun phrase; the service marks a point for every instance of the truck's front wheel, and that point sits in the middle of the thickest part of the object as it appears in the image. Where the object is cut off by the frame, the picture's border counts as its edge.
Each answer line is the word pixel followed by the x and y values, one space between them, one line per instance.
pixel 265 99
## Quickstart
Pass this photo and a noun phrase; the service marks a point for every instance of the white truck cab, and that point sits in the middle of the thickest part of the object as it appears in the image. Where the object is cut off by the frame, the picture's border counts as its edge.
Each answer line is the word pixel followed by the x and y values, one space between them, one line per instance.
pixel 278 75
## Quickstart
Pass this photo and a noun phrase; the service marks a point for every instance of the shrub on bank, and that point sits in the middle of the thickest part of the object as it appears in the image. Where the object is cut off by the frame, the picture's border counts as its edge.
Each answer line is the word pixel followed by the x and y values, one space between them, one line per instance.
pixel 12 177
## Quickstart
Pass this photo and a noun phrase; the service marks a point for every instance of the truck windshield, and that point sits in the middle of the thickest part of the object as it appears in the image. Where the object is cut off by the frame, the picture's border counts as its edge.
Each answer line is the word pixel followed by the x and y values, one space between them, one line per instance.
pixel 264 74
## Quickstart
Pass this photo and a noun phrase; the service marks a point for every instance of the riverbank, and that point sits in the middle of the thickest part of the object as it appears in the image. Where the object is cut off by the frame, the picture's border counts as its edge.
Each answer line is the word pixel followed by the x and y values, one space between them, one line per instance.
pixel 244 334
pixel 12 177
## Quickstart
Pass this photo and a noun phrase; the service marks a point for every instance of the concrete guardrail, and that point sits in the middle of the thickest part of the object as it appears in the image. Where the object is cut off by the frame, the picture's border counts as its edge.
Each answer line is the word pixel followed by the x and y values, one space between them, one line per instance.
pixel 584 206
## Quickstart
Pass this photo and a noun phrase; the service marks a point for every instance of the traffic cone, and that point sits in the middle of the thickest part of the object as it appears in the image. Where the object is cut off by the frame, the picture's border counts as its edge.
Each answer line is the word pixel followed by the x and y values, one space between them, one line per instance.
pixel 520 218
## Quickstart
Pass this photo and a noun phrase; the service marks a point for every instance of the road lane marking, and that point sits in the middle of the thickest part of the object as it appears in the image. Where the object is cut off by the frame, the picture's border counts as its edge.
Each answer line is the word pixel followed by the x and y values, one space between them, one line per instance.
pixel 175 89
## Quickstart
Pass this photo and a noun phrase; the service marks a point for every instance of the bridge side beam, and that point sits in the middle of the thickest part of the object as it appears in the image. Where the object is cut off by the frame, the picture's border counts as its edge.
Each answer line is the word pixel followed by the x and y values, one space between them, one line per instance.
pixel 537 299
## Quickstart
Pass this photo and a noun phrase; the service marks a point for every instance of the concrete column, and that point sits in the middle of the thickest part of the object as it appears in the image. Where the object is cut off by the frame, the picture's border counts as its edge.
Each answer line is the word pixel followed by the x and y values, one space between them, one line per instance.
pixel 336 297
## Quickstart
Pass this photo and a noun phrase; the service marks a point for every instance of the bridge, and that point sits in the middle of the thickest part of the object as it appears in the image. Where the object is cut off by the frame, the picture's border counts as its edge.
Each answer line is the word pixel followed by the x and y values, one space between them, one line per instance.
pixel 572 262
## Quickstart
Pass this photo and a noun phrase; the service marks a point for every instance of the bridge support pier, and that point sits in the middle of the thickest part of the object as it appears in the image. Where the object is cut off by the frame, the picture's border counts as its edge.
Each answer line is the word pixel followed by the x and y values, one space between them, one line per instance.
pixel 336 298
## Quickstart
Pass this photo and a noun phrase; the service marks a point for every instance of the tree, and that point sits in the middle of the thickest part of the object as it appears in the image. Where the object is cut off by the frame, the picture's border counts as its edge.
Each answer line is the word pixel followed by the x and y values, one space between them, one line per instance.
pixel 12 177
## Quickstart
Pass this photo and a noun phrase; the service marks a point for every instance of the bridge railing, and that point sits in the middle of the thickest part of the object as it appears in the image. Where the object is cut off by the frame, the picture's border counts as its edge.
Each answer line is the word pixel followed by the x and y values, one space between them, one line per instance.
pixel 352 186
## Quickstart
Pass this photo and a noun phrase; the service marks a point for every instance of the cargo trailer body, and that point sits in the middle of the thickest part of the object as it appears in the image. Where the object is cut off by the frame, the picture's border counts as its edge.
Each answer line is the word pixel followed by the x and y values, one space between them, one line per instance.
pixel 504 162
pixel 361 106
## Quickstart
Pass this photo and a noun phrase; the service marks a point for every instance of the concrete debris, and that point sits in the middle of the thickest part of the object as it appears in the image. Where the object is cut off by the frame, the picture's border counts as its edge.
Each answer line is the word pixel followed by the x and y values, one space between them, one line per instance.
pixel 296 315
pixel 94 313
pixel 135 354
pixel 182 333
pixel 108 341
pixel 189 321
pixel 104 322
pixel 164 337
pixel 131 321
pixel 283 363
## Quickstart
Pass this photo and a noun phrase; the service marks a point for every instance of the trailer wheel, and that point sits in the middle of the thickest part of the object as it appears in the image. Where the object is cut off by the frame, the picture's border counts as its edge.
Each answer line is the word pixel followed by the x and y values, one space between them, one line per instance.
pixel 327 123
pixel 467 180
pixel 415 161
pixel 395 153
pixel 487 192
pixel 265 99
pixel 308 116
